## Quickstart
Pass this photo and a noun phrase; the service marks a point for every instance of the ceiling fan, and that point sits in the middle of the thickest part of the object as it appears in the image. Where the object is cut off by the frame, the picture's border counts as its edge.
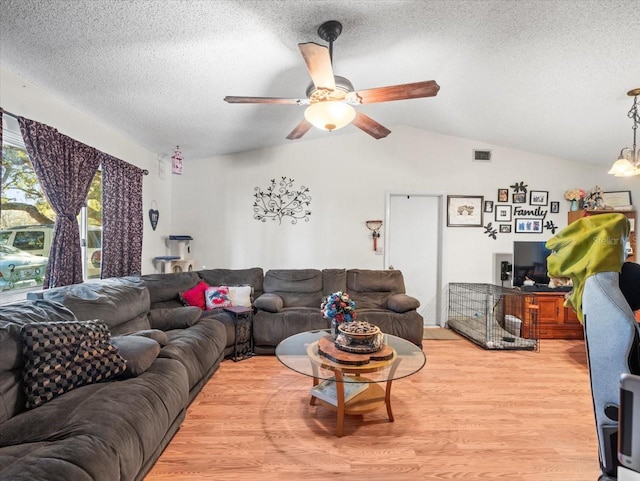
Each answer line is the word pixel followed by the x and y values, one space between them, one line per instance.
pixel 331 98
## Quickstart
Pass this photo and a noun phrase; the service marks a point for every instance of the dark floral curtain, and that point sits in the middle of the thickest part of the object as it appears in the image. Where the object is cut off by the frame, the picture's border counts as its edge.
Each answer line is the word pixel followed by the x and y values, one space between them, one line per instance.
pixel 122 218
pixel 65 168
pixel 1 111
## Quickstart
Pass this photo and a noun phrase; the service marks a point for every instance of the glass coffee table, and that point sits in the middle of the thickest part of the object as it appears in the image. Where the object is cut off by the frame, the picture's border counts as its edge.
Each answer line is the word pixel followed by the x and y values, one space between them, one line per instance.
pixel 336 377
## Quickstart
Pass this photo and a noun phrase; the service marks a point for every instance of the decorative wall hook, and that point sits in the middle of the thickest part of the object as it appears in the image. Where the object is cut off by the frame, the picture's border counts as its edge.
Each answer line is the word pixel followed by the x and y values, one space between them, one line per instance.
pixel 374 226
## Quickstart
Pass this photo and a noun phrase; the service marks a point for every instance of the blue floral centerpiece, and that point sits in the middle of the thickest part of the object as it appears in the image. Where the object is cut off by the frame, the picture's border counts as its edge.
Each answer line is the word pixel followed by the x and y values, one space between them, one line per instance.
pixel 339 308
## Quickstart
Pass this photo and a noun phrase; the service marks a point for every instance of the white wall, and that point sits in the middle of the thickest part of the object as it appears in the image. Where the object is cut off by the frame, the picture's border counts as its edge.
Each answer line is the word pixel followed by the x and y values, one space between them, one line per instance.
pixel 348 176
pixel 27 100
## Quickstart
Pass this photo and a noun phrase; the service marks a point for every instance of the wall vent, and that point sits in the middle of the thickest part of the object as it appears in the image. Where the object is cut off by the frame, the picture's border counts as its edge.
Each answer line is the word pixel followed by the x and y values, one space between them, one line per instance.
pixel 481 155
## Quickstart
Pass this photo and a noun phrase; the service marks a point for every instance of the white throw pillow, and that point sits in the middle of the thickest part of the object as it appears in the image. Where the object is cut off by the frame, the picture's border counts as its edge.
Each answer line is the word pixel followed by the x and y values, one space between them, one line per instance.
pixel 240 296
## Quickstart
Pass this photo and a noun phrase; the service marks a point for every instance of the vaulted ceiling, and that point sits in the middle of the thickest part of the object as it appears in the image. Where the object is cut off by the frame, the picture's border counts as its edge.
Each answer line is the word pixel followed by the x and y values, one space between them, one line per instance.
pixel 545 76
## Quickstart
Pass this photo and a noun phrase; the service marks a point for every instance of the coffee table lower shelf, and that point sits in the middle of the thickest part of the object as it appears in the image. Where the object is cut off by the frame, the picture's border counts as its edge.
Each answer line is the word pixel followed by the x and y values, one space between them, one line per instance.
pixel 372 398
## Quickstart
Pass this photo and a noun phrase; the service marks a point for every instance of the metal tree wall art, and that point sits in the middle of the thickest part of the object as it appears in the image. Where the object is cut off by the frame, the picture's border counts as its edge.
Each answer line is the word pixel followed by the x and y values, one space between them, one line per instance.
pixel 280 200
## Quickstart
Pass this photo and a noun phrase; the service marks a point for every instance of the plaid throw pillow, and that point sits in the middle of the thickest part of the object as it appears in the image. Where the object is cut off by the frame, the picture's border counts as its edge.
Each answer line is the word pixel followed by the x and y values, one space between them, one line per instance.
pixel 60 356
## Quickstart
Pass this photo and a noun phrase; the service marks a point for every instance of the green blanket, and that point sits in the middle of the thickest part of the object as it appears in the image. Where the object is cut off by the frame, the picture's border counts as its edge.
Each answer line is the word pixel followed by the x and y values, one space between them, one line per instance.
pixel 590 245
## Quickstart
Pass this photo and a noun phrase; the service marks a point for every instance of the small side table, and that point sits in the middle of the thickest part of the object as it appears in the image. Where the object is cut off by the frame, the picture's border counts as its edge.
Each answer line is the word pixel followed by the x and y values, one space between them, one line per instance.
pixel 243 323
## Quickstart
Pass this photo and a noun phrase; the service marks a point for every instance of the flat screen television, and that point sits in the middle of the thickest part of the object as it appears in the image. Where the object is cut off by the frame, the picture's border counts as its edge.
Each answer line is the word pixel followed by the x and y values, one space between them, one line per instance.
pixel 530 261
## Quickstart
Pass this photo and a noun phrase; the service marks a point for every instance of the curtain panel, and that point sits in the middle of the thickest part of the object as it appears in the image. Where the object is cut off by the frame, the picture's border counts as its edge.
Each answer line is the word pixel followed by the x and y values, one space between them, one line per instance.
pixel 1 126
pixel 122 218
pixel 65 168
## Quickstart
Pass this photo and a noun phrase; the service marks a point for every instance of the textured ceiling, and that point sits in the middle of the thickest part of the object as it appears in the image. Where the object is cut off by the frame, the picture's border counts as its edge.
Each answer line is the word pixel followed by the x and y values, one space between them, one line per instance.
pixel 547 76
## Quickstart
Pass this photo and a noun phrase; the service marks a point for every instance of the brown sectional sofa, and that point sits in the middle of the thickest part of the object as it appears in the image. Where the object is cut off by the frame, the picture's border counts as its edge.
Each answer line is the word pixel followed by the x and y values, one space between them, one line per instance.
pixel 287 301
pixel 117 429
pixel 291 303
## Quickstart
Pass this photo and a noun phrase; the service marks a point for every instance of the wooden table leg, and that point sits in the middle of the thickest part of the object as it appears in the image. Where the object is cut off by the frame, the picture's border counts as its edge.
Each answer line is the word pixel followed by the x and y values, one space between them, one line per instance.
pixel 316 381
pixel 340 396
pixel 387 397
pixel 387 400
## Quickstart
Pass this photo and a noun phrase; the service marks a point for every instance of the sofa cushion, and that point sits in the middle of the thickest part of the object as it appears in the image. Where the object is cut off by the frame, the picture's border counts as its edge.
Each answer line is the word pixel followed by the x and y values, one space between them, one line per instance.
pixel 102 432
pixel 165 288
pixel 174 318
pixel 253 277
pixel 195 296
pixel 269 302
pixel 138 352
pixel 296 287
pixel 122 303
pixel 61 356
pixel 216 297
pixel 402 303
pixel 12 318
pixel 198 348
pixel 371 288
pixel 156 334
pixel 333 280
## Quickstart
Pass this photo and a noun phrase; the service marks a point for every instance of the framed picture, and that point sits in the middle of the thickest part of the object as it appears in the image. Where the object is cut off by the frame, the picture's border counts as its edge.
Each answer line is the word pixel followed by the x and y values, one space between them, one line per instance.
pixel 555 207
pixel 488 206
pixel 538 197
pixel 464 210
pixel 505 228
pixel 528 226
pixel 617 199
pixel 503 195
pixel 503 213
pixel 519 198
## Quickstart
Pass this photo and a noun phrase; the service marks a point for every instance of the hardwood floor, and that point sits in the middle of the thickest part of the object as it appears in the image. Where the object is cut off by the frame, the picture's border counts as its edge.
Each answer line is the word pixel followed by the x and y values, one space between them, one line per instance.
pixel 469 415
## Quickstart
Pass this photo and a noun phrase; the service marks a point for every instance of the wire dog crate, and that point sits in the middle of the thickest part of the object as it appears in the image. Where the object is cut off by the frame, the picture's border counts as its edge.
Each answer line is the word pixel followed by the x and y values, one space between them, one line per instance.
pixel 494 317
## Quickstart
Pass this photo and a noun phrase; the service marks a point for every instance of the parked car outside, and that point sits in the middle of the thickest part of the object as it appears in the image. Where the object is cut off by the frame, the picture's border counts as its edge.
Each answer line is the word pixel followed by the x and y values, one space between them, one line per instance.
pixel 36 240
pixel 20 269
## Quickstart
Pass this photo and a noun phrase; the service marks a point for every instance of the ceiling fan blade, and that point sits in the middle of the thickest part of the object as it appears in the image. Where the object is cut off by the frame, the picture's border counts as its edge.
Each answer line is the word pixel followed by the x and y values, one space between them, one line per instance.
pixel 300 129
pixel 414 90
pixel 370 126
pixel 319 65
pixel 264 100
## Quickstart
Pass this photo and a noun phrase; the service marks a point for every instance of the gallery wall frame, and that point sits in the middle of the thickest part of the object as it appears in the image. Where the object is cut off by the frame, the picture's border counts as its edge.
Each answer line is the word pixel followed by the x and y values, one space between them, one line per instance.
pixel 503 212
pixel 519 198
pixel 505 228
pixel 464 210
pixel 503 195
pixel 528 226
pixel 538 197
pixel 555 207
pixel 488 206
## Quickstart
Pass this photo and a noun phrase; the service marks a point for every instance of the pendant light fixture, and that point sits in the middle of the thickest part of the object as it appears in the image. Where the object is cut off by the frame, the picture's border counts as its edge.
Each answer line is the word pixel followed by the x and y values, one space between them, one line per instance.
pixel 628 163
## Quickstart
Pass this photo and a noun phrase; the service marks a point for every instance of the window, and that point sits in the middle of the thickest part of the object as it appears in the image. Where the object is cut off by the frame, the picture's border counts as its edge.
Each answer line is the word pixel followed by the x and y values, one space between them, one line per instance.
pixel 27 219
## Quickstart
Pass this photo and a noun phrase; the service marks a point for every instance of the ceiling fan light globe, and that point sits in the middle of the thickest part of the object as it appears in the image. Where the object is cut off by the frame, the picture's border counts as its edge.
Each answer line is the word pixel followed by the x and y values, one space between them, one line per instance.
pixel 330 115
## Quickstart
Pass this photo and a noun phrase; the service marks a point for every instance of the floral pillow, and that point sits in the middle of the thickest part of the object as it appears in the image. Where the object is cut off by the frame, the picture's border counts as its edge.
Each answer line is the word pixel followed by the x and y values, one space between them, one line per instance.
pixel 195 295
pixel 217 297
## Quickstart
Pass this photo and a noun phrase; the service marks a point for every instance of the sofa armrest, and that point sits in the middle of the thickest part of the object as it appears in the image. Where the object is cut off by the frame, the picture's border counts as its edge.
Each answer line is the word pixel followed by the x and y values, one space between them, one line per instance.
pixel 174 318
pixel 269 302
pixel 402 303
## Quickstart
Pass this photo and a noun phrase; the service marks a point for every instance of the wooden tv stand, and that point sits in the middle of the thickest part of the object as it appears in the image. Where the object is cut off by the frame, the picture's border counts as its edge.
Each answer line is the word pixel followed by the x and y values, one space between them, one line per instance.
pixel 555 321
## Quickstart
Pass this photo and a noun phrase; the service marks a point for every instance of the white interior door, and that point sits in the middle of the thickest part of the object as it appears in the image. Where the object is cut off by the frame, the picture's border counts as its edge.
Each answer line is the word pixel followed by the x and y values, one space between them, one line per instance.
pixel 413 245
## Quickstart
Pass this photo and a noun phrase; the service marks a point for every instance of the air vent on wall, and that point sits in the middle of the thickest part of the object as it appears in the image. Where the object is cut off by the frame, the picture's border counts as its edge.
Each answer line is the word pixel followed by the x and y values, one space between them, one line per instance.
pixel 481 155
